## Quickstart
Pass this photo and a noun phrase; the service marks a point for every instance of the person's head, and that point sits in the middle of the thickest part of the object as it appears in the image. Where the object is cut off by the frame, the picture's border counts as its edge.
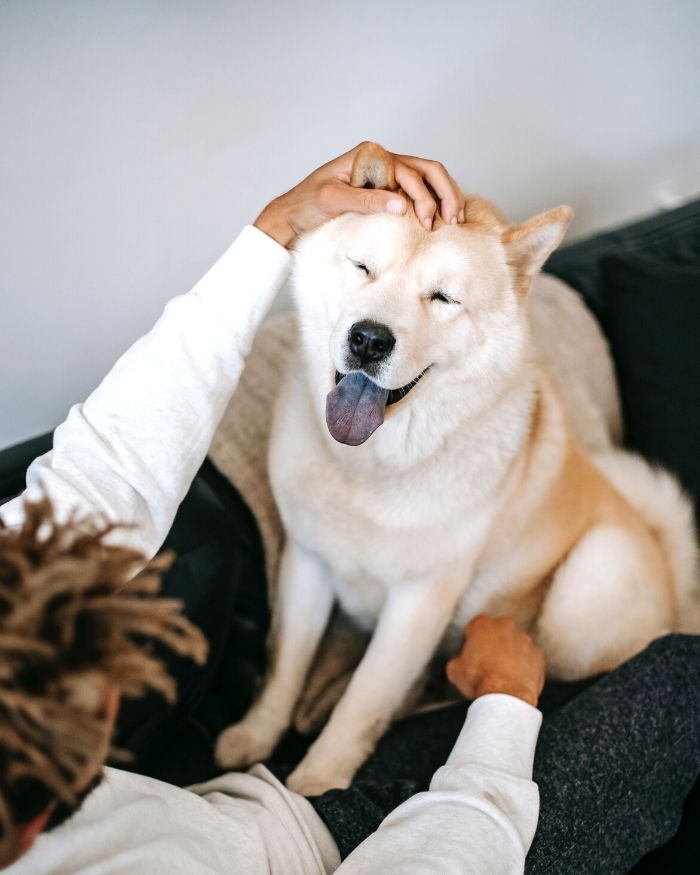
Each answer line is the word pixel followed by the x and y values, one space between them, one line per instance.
pixel 77 623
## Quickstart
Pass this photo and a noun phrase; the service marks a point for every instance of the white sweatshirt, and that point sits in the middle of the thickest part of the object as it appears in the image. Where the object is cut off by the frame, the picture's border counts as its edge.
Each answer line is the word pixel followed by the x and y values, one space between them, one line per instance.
pixel 129 453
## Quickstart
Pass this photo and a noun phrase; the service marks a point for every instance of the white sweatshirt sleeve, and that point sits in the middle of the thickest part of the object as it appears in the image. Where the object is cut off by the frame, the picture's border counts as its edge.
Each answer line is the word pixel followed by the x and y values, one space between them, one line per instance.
pixel 479 815
pixel 130 452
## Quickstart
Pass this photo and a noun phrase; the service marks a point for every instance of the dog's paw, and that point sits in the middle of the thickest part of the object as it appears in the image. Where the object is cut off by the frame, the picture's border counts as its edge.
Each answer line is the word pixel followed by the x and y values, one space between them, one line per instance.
pixel 242 745
pixel 311 782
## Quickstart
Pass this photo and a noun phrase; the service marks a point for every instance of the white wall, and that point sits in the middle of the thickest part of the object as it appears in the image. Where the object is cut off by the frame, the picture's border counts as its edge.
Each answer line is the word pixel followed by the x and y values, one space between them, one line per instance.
pixel 138 136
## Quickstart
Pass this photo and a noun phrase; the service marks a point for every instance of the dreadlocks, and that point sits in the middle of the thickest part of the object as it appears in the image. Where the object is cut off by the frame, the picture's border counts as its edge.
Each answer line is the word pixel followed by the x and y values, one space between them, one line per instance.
pixel 75 614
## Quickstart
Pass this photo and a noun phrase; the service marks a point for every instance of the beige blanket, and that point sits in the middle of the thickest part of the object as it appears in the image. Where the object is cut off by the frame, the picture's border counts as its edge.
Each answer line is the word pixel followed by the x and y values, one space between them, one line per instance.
pixel 240 446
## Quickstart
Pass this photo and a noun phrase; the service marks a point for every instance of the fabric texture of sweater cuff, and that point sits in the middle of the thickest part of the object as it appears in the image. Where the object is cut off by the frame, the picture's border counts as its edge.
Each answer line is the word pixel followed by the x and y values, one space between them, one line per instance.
pixel 500 732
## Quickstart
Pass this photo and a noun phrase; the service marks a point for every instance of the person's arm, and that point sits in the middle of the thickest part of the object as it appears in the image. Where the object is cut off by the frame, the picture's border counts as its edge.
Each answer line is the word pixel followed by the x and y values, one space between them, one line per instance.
pixel 480 813
pixel 130 452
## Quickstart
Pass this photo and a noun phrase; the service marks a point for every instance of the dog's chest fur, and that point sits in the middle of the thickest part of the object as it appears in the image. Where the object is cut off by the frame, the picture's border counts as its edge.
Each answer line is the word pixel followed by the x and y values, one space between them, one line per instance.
pixel 377 526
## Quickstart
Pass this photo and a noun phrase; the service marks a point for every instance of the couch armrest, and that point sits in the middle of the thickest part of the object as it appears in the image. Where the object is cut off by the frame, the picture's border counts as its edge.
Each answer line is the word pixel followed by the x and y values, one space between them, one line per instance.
pixel 15 460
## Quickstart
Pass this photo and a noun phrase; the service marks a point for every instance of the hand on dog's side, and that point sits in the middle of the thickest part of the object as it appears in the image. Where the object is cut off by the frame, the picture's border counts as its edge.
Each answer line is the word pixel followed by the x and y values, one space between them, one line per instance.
pixel 327 192
pixel 497 657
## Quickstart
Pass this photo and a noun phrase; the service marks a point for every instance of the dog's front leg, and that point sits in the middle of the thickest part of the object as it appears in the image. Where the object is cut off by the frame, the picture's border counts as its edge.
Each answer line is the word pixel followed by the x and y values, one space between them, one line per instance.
pixel 303 606
pixel 410 627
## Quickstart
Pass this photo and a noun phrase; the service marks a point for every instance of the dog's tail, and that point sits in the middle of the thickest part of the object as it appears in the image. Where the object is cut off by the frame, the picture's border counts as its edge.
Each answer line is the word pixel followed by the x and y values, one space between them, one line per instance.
pixel 668 512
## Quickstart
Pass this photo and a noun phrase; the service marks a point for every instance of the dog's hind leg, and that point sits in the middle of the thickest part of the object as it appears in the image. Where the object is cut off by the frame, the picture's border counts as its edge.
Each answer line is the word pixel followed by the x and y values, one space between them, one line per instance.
pixel 304 603
pixel 410 628
pixel 608 600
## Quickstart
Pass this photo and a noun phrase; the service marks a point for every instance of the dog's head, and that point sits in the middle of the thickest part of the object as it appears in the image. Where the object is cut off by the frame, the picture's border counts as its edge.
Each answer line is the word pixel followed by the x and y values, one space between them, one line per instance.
pixel 404 325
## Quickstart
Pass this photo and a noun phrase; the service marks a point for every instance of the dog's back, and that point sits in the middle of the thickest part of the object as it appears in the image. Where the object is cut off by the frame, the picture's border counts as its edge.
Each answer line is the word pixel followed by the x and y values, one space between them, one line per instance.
pixel 576 356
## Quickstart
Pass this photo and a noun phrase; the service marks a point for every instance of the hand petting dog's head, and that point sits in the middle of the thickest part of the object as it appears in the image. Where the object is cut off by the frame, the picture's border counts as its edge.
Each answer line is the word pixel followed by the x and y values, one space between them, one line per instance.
pixel 397 318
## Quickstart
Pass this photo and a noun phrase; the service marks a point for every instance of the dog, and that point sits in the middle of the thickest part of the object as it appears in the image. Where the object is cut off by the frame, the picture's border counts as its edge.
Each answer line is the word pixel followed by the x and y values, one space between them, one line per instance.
pixel 441 448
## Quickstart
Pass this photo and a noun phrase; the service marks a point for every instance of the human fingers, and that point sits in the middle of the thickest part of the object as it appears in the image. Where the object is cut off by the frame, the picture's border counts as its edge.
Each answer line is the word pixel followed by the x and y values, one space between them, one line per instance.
pixel 452 200
pixel 497 657
pixel 336 197
pixel 460 676
pixel 412 183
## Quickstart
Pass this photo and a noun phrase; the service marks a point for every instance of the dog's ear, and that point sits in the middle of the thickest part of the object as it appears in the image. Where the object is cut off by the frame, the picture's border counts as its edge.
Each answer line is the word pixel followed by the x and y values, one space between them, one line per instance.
pixel 373 167
pixel 528 245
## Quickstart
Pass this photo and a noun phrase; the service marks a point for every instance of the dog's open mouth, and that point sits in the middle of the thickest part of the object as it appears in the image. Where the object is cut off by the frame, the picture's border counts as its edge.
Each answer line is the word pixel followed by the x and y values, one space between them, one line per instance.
pixel 355 408
pixel 394 394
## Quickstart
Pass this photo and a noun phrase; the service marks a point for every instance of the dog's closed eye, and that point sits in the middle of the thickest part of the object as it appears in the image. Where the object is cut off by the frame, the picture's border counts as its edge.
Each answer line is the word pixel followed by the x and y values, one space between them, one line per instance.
pixel 439 295
pixel 361 266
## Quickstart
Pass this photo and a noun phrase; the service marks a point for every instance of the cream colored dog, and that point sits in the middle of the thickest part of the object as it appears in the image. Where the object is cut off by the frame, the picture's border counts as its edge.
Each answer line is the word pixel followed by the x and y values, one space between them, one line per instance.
pixel 427 469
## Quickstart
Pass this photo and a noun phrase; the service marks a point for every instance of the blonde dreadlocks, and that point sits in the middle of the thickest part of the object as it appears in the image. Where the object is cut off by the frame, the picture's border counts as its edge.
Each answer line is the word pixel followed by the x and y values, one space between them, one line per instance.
pixel 70 606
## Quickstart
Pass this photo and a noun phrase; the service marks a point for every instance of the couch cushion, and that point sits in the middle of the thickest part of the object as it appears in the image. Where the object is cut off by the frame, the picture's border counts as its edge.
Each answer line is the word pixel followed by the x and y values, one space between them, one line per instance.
pixel 15 460
pixel 672 237
pixel 653 321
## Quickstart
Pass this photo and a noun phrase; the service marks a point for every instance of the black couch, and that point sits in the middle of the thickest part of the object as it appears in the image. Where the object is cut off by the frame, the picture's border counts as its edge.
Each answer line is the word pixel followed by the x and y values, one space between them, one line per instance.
pixel 219 569
pixel 642 282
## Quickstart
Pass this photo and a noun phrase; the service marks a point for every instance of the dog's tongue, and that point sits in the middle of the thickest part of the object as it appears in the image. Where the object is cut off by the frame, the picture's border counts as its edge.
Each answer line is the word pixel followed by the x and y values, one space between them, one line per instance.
pixel 355 409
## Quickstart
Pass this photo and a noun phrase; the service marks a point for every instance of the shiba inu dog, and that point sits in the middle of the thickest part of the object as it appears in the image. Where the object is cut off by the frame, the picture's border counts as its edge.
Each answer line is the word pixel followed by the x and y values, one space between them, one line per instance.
pixel 440 449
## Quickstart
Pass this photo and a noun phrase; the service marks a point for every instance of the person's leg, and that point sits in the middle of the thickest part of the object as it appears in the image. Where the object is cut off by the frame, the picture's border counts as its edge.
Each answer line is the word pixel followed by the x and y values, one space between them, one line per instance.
pixel 615 765
pixel 403 764
pixel 641 720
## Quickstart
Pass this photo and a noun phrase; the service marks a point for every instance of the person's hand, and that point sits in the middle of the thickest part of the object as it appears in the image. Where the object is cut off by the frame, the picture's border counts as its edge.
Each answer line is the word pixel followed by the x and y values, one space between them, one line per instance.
pixel 497 657
pixel 327 193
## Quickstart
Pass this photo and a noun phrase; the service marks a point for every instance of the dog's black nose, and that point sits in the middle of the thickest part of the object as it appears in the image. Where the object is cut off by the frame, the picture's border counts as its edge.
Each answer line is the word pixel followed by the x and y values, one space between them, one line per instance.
pixel 370 341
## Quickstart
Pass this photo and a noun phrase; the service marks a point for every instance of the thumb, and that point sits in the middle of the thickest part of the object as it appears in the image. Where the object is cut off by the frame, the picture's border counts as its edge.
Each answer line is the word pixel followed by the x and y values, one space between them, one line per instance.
pixel 452 671
pixel 346 199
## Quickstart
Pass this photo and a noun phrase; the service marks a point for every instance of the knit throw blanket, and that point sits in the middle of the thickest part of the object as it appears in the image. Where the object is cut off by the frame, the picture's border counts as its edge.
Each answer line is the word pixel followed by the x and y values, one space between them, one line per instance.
pixel 240 446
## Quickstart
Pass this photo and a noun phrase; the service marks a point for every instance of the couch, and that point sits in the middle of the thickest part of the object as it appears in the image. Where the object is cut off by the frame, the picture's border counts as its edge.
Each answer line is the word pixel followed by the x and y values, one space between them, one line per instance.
pixel 642 282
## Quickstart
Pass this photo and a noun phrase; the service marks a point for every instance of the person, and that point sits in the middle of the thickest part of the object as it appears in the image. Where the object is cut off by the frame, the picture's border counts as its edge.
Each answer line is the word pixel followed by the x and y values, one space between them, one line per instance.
pixel 238 822
pixel 128 455
pixel 70 608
